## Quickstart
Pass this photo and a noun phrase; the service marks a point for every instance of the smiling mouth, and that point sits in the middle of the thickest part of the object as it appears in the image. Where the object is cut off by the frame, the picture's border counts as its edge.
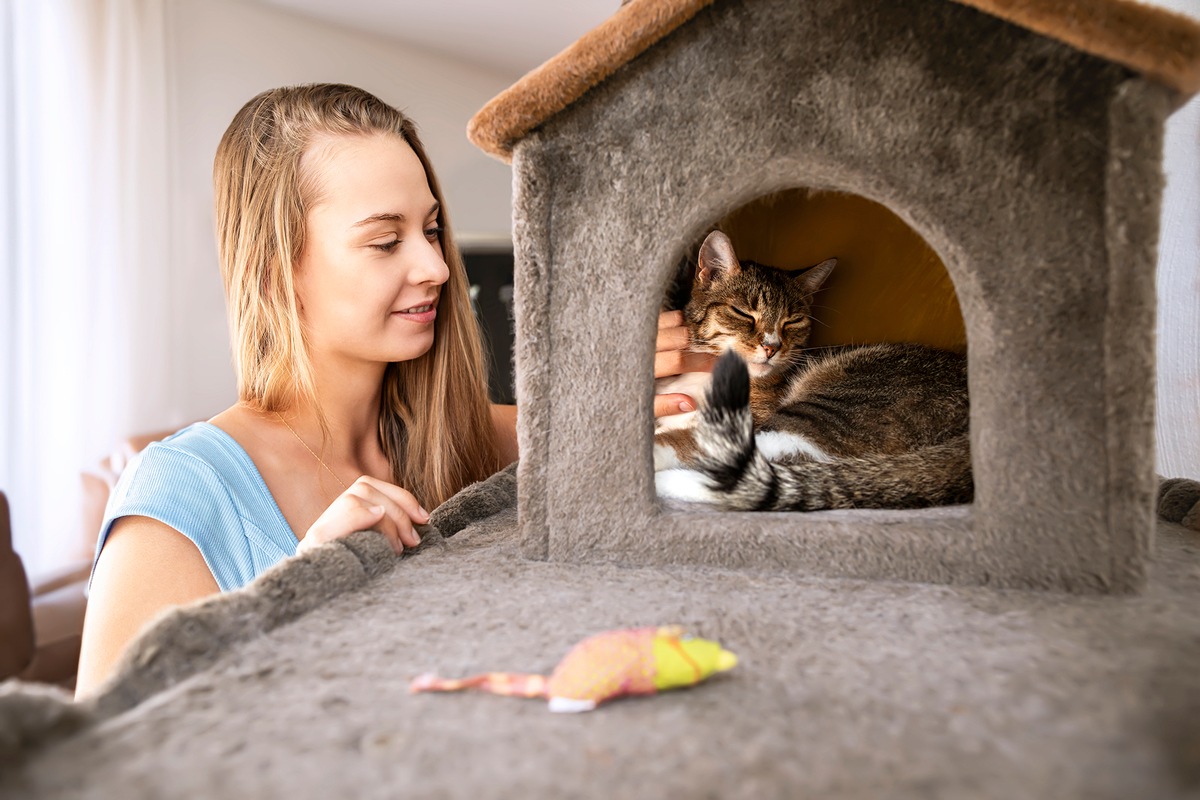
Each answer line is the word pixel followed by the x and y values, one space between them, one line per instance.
pixel 422 314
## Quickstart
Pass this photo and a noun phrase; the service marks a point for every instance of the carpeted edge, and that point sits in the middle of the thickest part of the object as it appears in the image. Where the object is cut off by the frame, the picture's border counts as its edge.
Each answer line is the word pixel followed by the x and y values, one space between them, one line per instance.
pixel 188 640
pixel 34 713
pixel 185 641
pixel 478 501
pixel 1133 183
pixel 1158 43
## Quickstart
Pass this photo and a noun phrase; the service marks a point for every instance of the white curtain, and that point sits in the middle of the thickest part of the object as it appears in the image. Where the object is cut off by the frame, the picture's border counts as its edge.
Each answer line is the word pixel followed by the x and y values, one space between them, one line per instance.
pixel 1178 407
pixel 84 215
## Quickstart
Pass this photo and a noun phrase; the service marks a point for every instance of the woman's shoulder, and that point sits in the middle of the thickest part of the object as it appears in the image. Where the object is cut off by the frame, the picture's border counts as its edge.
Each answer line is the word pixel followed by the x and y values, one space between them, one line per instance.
pixel 201 482
pixel 201 451
pixel 195 458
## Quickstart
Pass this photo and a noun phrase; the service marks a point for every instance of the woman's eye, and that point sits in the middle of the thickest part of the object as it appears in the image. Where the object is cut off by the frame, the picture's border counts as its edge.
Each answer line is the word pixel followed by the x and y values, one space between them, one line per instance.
pixel 433 233
pixel 741 313
pixel 387 247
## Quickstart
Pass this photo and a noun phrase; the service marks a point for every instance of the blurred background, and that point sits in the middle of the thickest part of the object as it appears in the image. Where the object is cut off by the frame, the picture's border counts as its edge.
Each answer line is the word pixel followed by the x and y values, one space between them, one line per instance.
pixel 112 319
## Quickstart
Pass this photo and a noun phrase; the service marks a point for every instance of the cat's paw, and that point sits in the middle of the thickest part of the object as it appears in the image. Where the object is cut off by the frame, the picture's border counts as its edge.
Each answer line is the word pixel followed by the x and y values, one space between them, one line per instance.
pixel 1179 502
pixel 787 447
pixel 683 484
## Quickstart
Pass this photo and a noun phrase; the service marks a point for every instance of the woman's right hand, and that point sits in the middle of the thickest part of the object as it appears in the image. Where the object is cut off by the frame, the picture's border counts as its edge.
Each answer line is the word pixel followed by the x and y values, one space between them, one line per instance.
pixel 672 357
pixel 369 504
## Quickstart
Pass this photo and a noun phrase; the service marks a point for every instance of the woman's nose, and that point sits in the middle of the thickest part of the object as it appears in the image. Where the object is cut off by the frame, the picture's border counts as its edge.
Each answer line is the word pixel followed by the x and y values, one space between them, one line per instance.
pixel 431 266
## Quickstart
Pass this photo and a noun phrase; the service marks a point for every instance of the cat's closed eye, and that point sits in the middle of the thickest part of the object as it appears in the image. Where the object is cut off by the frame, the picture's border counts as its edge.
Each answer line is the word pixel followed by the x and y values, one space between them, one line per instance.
pixel 739 312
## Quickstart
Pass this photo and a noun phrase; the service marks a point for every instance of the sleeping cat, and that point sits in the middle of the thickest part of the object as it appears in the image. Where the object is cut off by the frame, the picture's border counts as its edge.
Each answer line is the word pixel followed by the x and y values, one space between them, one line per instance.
pixel 788 428
pixel 759 312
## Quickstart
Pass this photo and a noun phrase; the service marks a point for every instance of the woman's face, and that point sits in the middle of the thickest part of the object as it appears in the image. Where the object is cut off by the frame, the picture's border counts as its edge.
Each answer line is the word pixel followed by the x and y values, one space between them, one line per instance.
pixel 372 269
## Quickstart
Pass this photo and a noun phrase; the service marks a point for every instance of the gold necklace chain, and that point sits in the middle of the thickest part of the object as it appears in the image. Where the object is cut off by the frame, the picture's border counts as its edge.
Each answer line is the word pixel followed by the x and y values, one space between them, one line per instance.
pixel 310 450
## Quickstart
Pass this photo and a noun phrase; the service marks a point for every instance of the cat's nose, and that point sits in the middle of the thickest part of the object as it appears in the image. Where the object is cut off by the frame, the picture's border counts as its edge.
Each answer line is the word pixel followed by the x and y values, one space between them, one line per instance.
pixel 770 345
pixel 769 349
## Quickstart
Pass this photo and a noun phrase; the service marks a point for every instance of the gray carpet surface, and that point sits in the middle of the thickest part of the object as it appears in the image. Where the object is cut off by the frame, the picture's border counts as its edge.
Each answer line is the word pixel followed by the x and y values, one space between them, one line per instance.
pixel 844 689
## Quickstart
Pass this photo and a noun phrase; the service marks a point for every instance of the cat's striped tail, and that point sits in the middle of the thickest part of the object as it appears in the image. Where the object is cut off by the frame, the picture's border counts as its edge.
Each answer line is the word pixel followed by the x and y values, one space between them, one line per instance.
pixel 730 470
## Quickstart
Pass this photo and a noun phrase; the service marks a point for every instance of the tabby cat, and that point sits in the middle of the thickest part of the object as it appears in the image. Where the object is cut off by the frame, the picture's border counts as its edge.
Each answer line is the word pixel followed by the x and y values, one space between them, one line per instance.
pixel 784 427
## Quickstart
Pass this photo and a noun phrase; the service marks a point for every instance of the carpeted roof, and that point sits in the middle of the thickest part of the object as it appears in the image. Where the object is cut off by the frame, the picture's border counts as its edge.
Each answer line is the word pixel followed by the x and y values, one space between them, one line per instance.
pixel 1161 45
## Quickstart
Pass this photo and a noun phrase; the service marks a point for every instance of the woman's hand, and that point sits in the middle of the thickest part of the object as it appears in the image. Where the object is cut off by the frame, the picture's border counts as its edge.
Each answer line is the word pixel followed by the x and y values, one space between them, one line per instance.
pixel 370 504
pixel 671 357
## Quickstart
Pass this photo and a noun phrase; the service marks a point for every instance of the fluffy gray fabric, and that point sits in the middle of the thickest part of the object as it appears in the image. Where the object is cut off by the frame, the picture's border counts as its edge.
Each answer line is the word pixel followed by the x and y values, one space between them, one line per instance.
pixel 845 688
pixel 1179 501
pixel 187 640
pixel 1032 169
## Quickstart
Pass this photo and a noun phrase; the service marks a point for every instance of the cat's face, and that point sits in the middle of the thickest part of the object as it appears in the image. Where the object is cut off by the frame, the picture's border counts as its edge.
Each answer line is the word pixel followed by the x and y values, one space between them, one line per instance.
pixel 761 313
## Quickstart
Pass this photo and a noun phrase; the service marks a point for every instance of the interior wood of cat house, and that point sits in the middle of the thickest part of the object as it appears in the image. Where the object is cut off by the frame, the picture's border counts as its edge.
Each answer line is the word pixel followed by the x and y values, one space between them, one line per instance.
pixel 1030 166
pixel 889 284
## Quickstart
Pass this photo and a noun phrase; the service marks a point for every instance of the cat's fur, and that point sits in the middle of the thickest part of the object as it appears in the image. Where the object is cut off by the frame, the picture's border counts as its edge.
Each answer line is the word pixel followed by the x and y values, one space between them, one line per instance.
pixel 869 426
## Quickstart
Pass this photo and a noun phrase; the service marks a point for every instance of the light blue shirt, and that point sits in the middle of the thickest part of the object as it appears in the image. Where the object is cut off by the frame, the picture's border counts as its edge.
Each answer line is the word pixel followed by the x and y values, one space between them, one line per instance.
pixel 204 485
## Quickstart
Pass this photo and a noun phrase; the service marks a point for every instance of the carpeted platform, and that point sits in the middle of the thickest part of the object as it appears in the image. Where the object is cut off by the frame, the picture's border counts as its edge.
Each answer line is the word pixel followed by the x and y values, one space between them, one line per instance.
pixel 845 688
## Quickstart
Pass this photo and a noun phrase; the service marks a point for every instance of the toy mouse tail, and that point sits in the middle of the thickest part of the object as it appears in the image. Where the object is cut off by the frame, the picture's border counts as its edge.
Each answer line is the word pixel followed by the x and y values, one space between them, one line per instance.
pixel 513 684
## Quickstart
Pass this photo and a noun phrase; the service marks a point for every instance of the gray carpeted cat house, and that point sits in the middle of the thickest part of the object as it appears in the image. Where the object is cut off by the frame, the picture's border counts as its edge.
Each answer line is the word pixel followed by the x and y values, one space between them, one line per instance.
pixel 1021 139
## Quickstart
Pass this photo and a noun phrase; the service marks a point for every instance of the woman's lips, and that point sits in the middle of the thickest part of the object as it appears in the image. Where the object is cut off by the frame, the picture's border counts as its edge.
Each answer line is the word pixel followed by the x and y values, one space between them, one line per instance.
pixel 422 315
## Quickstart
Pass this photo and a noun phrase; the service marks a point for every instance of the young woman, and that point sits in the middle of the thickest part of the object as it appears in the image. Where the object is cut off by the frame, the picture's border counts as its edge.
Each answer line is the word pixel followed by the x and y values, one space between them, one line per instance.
pixel 362 395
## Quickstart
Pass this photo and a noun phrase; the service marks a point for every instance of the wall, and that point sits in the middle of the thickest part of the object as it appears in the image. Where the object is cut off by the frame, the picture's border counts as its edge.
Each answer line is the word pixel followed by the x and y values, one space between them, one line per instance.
pixel 220 53
pixel 1178 424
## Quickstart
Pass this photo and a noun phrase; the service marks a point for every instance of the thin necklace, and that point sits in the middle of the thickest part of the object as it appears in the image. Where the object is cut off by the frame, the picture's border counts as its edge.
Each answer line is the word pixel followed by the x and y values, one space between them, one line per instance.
pixel 310 450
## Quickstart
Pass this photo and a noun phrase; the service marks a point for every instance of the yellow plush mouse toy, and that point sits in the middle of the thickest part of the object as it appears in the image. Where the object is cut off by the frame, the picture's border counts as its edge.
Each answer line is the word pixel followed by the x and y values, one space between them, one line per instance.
pixel 605 666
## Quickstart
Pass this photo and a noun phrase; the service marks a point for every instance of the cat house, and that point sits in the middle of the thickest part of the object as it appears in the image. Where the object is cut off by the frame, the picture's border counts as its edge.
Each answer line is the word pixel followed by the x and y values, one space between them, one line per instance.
pixel 1020 141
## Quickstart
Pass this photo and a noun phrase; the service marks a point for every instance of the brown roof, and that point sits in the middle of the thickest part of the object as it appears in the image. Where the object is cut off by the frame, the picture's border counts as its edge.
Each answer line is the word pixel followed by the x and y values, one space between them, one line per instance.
pixel 1159 44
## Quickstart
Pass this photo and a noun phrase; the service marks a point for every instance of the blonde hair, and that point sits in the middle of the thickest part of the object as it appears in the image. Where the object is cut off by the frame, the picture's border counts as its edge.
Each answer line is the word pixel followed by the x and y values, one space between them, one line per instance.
pixel 434 422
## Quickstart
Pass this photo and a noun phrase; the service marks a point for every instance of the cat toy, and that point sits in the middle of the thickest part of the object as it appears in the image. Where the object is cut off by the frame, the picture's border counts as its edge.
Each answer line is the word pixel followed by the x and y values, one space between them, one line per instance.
pixel 603 667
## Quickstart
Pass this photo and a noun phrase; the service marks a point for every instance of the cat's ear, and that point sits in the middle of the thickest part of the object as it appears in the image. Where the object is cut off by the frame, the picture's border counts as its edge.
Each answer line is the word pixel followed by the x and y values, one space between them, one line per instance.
pixel 814 278
pixel 717 258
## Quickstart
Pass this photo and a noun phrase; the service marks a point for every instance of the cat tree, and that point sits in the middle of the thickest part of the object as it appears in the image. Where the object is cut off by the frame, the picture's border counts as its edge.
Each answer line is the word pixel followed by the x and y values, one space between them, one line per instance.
pixel 1021 140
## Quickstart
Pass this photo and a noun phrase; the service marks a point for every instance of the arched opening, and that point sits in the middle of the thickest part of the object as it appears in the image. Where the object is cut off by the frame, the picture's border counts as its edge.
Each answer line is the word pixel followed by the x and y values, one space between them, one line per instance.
pixel 903 409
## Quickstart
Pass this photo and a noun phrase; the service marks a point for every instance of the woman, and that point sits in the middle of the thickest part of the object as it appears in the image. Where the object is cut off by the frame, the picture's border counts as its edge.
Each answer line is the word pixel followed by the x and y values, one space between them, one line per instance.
pixel 362 395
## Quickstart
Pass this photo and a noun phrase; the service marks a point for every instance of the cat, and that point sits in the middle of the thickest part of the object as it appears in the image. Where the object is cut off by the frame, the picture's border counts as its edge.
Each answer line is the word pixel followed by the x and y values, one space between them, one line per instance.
pixel 784 427
pixel 761 312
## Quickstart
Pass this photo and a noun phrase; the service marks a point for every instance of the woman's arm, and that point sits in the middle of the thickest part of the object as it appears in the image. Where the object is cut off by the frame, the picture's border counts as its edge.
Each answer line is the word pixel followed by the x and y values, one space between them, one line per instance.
pixel 504 421
pixel 145 568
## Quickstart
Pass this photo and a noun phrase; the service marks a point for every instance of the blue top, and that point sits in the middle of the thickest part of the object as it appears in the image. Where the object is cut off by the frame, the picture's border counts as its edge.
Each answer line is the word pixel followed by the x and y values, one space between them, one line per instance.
pixel 204 485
